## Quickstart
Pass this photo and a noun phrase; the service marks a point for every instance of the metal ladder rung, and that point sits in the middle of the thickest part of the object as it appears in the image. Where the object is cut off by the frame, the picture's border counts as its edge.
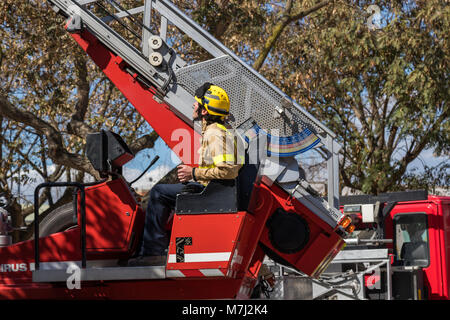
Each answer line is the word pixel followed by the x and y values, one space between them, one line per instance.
pixel 83 2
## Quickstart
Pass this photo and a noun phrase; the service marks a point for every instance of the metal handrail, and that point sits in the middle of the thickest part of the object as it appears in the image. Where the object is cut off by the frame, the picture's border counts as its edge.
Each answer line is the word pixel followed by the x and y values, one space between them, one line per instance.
pixel 82 213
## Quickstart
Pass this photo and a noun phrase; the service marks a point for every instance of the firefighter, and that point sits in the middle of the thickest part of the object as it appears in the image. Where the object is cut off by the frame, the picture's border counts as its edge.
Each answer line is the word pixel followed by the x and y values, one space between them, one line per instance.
pixel 218 159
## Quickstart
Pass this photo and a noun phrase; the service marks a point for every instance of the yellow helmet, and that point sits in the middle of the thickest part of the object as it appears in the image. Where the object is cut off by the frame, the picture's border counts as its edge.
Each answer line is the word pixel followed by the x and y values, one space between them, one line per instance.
pixel 214 99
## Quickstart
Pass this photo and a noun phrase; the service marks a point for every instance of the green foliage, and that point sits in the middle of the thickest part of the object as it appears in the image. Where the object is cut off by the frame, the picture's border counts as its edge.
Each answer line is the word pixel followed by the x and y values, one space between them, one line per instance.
pixel 51 96
pixel 384 91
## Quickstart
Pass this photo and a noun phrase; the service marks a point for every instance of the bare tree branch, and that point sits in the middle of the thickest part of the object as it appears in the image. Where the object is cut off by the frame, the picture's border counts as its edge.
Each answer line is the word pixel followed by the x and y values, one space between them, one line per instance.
pixel 56 149
pixel 286 19
pixel 144 142
pixel 77 125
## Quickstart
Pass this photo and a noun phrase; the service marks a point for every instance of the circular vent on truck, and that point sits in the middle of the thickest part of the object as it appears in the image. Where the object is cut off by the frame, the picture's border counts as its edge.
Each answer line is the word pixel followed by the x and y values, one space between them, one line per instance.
pixel 288 232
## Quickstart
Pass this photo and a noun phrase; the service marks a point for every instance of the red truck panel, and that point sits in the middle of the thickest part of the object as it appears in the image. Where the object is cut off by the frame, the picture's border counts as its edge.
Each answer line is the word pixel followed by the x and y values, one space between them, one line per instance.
pixel 323 244
pixel 444 211
pixel 204 243
pixel 111 211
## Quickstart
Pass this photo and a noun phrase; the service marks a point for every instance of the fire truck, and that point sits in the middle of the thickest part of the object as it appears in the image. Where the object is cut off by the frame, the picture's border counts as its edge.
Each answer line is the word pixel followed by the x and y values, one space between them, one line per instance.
pixel 219 237
pixel 398 251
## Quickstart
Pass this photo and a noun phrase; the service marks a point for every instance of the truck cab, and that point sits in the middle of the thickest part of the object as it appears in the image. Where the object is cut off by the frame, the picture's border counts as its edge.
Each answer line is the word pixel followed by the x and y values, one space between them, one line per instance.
pixel 420 231
pixel 414 227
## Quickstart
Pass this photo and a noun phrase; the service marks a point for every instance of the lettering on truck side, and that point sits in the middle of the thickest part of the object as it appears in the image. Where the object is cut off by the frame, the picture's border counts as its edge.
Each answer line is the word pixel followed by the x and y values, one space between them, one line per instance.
pixel 13 267
pixel 16 267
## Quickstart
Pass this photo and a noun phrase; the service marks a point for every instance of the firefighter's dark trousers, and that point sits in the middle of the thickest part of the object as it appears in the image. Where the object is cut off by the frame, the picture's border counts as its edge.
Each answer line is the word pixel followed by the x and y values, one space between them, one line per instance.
pixel 155 239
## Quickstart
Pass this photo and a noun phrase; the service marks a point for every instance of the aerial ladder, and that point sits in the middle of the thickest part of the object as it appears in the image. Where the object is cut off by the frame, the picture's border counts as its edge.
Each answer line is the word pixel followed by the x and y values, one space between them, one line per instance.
pixel 219 237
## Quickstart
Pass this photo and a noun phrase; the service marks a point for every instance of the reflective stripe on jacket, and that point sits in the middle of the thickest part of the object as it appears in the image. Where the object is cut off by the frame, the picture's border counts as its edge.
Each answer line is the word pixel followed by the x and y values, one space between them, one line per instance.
pixel 218 158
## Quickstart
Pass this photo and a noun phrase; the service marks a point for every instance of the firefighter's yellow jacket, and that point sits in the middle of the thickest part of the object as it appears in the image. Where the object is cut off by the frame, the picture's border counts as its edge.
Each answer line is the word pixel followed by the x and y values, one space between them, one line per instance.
pixel 218 156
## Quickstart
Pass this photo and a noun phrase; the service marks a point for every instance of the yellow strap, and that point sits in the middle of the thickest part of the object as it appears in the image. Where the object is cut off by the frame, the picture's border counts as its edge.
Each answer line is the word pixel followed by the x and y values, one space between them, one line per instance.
pixel 223 158
pixel 227 158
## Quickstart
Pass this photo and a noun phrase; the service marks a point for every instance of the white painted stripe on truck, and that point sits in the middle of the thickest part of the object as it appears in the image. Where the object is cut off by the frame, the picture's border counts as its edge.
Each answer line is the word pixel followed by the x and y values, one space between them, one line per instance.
pixel 174 274
pixel 202 257
pixel 212 272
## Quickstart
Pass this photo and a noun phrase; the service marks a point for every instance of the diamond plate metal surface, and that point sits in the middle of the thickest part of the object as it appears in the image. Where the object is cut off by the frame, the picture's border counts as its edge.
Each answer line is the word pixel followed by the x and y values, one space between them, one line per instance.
pixel 250 97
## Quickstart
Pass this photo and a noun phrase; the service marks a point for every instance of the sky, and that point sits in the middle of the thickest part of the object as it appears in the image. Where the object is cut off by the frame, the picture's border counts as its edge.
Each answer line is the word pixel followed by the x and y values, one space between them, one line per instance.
pixel 167 161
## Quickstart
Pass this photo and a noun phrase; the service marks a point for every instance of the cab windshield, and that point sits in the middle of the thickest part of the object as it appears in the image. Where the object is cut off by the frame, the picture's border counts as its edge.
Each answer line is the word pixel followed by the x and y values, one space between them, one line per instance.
pixel 411 240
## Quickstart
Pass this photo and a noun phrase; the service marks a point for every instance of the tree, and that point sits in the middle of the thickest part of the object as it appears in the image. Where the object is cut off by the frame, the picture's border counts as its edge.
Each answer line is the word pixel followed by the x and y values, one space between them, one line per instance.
pixel 51 97
pixel 383 90
pixel 434 179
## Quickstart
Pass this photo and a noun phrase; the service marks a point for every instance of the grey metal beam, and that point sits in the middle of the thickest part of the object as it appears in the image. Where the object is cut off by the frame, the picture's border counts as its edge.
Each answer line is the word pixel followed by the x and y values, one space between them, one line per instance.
pixel 163 28
pixel 102 274
pixel 319 206
pixel 189 27
pixel 333 172
pixel 362 254
pixel 83 2
pixel 112 39
pixel 177 98
pixel 147 22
